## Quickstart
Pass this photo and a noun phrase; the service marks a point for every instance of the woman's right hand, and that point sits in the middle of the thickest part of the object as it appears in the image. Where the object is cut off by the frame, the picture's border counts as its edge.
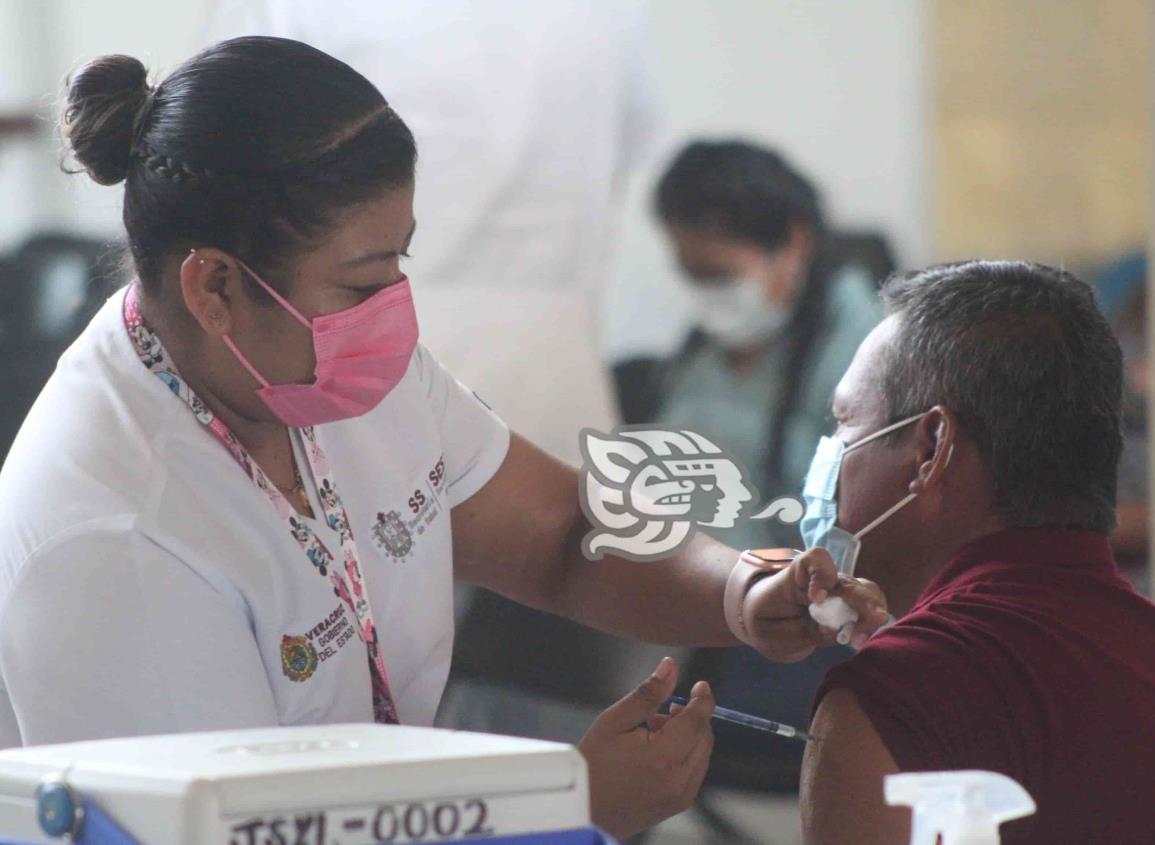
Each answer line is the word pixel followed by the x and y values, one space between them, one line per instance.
pixel 643 766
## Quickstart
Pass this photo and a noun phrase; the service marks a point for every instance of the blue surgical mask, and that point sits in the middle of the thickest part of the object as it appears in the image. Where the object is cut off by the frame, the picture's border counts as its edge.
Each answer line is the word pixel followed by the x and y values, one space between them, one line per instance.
pixel 820 490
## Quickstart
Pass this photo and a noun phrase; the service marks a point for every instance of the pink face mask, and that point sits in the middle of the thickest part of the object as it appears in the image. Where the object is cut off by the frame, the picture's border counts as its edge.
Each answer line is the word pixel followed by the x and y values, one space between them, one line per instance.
pixel 362 353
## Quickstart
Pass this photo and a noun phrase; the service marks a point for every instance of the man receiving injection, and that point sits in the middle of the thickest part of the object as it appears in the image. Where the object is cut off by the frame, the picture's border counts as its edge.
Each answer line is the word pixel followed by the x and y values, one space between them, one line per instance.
pixel 1019 648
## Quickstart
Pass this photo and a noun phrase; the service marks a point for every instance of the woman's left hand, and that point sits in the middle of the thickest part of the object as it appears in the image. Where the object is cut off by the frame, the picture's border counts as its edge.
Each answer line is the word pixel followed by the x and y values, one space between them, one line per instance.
pixel 776 609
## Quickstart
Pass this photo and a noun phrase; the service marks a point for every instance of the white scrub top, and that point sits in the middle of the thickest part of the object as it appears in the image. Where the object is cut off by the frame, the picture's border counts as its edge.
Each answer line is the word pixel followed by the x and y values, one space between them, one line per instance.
pixel 147 586
pixel 527 114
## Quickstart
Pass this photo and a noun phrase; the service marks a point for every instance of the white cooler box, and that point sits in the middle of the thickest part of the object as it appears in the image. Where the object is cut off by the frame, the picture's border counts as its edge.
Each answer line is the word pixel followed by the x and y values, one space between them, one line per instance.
pixel 325 785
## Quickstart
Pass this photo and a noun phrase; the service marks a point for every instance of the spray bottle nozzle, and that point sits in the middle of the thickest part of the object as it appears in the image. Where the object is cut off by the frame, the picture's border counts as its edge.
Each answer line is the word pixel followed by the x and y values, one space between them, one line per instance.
pixel 965 807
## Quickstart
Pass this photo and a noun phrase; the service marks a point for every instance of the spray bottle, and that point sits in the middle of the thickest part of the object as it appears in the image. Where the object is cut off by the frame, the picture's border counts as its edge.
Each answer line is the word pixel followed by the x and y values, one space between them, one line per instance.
pixel 965 807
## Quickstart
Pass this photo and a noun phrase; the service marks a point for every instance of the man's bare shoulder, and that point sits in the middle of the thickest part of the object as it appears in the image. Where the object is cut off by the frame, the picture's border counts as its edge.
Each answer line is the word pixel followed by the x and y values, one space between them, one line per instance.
pixel 842 779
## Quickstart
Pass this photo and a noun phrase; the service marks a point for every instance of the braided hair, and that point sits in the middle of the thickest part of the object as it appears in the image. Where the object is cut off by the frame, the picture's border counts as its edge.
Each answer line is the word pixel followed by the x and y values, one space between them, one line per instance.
pixel 167 167
pixel 254 146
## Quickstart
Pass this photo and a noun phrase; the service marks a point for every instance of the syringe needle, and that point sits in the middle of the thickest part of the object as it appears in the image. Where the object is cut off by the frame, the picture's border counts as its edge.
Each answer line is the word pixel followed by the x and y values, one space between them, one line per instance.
pixel 725 714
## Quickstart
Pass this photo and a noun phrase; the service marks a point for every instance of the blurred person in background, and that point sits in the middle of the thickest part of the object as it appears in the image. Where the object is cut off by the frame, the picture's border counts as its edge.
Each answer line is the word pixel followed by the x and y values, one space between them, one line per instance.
pixel 779 314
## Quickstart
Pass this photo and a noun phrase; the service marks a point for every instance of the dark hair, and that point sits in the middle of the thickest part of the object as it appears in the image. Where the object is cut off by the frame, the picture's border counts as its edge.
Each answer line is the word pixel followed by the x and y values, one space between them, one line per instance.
pixel 1022 354
pixel 748 193
pixel 255 146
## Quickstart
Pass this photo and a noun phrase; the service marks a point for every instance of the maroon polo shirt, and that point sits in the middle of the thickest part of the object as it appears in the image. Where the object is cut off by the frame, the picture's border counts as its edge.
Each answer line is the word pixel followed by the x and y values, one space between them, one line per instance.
pixel 1028 654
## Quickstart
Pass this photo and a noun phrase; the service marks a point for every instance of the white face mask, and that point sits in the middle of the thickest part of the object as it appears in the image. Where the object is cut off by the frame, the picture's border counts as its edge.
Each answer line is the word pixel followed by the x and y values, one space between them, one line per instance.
pixel 736 313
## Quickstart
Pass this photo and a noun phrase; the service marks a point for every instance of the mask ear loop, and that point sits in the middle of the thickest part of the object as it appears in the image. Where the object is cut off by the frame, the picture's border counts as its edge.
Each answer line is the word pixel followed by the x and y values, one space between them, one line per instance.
pixel 232 347
pixel 284 303
pixel 862 532
pixel 253 371
pixel 887 430
pixel 844 632
pixel 903 503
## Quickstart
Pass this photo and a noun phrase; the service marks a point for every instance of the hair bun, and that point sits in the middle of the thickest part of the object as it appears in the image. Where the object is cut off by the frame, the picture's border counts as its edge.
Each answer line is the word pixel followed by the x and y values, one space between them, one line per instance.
pixel 106 99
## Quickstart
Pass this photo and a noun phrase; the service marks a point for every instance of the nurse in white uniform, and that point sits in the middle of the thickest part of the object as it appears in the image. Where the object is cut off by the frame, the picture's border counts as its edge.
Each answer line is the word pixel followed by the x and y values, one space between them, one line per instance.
pixel 243 497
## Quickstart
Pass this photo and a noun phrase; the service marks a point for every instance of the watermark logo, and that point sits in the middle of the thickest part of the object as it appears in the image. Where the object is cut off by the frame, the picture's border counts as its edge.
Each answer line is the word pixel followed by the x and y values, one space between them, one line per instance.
pixel 646 489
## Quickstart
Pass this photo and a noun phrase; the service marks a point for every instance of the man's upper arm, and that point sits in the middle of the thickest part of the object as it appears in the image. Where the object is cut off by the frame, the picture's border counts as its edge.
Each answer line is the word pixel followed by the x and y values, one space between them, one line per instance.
pixel 842 774
pixel 107 634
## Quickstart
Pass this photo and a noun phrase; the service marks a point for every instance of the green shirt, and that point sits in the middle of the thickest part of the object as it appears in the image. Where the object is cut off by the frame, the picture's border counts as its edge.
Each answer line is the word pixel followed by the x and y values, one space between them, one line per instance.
pixel 737 411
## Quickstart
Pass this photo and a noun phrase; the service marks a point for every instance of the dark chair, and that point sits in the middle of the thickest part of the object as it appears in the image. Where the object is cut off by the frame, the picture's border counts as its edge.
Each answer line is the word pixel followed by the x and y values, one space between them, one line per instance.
pixel 637 382
pixel 869 249
pixel 49 289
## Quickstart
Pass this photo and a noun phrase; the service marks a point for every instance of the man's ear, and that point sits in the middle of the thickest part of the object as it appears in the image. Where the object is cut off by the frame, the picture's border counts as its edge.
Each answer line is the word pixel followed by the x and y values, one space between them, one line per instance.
pixel 211 284
pixel 935 436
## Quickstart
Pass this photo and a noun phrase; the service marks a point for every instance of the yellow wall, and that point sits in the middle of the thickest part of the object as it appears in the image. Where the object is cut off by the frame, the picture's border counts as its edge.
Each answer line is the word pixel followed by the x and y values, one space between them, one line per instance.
pixel 1041 128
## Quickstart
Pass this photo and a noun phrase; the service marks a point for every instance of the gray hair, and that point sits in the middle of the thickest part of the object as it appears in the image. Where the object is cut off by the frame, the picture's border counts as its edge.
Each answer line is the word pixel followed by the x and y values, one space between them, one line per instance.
pixel 1022 355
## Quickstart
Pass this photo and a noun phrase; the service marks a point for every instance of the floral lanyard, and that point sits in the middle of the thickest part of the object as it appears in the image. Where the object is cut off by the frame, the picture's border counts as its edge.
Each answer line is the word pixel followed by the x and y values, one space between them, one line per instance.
pixel 348 580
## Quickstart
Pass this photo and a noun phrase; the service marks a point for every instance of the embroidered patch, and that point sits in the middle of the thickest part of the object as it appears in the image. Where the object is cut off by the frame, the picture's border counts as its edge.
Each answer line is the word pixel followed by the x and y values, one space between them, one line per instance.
pixel 392 534
pixel 298 658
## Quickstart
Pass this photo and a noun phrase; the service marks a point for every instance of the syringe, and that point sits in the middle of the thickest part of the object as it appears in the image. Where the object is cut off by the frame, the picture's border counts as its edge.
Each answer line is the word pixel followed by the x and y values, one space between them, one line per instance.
pixel 727 715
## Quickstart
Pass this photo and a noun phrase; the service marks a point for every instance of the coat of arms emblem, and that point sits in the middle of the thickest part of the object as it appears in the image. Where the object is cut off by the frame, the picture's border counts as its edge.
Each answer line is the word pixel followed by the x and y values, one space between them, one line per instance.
pixel 393 535
pixel 298 658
